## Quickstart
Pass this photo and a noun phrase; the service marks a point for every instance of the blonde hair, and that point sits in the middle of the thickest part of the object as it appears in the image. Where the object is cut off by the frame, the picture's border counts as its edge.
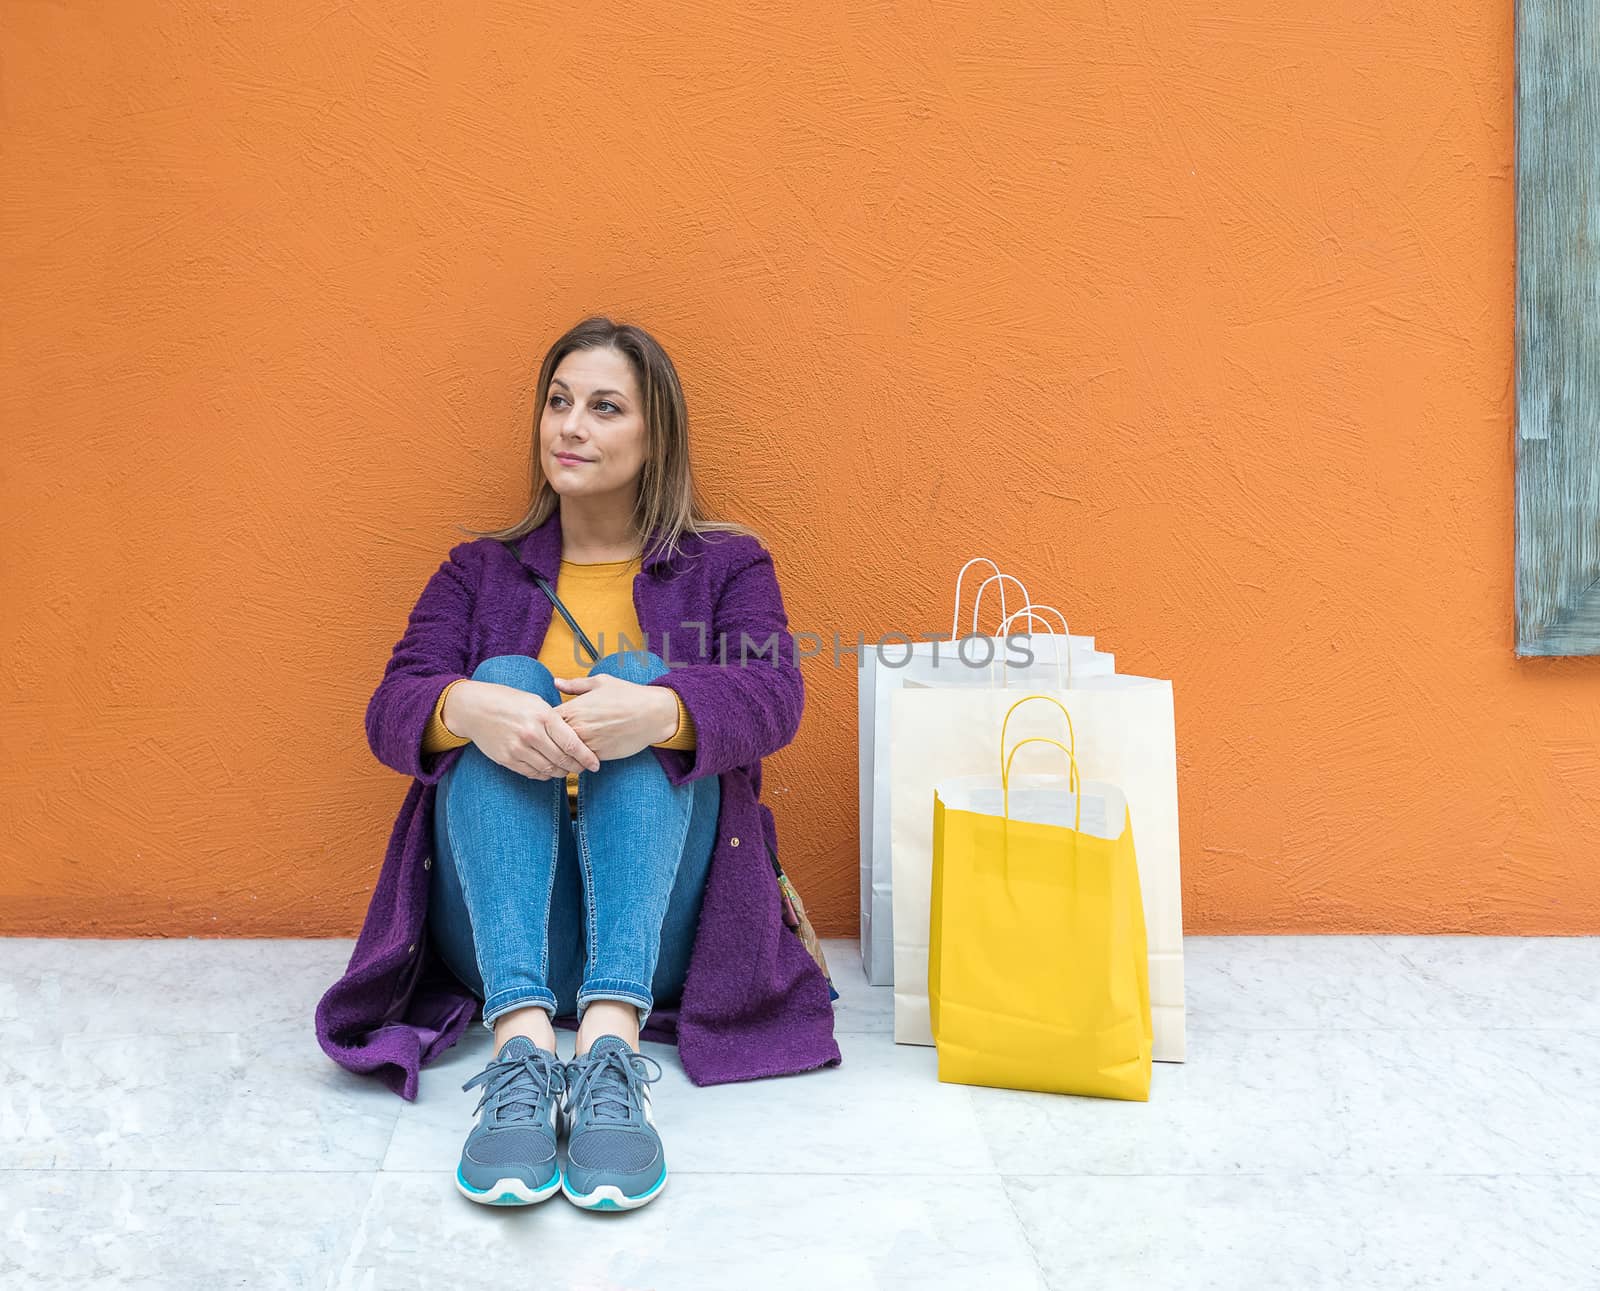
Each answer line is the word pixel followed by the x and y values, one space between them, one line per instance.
pixel 668 502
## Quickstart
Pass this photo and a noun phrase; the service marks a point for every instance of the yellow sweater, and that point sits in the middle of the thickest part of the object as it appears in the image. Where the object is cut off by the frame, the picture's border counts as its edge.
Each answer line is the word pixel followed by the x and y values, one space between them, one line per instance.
pixel 600 597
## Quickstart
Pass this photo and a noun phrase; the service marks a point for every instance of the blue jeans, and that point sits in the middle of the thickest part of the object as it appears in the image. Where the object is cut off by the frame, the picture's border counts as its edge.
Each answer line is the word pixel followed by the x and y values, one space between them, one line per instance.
pixel 531 905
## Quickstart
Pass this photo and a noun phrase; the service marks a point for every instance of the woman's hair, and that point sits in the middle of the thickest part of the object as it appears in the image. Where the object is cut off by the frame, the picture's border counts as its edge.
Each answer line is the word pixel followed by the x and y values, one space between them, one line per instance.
pixel 668 500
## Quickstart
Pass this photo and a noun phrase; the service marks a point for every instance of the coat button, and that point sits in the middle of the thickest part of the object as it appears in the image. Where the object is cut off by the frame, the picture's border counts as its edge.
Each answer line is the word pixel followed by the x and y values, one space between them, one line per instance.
pixel 734 841
pixel 427 862
pixel 411 949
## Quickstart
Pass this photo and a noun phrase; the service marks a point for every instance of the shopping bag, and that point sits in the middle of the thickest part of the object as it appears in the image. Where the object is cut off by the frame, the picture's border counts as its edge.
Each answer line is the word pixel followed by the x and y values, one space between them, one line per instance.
pixel 1125 737
pixel 886 666
pixel 1037 962
pixel 880 662
pixel 795 917
pixel 875 921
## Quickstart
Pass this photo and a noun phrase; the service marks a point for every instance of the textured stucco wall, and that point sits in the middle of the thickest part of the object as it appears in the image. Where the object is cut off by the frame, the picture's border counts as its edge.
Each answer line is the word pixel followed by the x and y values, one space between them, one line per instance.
pixel 1203 319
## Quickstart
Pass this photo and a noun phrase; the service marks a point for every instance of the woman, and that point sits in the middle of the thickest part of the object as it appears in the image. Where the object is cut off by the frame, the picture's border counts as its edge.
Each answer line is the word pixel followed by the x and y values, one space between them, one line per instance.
pixel 569 852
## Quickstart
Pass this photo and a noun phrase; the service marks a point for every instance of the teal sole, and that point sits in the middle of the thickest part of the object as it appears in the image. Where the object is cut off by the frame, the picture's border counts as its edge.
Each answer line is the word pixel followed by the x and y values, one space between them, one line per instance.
pixel 510 1198
pixel 606 1203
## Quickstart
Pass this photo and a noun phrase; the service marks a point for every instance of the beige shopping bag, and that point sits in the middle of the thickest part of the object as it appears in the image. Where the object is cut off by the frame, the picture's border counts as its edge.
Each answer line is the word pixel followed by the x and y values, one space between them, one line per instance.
pixel 1126 736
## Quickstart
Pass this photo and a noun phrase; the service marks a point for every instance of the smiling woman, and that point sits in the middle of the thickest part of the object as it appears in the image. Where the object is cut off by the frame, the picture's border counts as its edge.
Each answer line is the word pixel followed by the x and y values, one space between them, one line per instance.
pixel 628 910
pixel 611 447
pixel 593 433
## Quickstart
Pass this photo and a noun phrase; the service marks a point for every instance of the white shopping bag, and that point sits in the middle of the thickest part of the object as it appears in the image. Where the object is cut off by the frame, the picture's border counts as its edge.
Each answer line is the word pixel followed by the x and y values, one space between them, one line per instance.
pixel 1126 733
pixel 877 910
pixel 896 663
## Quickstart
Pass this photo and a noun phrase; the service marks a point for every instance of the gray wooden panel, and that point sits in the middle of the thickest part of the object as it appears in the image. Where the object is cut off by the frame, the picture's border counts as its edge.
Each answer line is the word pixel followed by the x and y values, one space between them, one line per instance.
pixel 1558 327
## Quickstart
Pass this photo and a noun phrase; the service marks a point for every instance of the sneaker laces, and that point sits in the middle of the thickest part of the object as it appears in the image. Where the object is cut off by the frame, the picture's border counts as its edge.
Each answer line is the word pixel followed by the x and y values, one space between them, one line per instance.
pixel 522 1083
pixel 612 1081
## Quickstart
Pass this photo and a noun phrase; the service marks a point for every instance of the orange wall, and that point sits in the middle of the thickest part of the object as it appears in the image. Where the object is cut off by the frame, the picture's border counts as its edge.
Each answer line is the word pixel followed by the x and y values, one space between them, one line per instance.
pixel 1203 321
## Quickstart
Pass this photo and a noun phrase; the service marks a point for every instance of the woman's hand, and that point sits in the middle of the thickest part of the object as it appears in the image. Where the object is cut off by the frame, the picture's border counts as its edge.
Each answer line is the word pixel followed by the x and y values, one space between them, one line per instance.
pixel 617 718
pixel 518 730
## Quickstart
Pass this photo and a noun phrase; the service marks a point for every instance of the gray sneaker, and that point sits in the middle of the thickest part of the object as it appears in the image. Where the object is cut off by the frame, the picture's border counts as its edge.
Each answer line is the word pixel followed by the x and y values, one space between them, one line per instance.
pixel 614 1155
pixel 509 1158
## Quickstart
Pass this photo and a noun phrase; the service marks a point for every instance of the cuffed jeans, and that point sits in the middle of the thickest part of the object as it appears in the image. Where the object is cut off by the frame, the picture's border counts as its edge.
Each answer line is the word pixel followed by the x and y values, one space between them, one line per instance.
pixel 531 906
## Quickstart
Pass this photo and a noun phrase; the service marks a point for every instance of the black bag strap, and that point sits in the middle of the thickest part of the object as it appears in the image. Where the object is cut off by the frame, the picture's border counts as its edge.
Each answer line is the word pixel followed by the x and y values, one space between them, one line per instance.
pixel 544 586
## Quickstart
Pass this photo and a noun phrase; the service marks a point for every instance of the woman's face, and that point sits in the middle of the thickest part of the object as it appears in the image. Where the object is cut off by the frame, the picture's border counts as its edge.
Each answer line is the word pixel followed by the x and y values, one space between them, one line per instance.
pixel 591 429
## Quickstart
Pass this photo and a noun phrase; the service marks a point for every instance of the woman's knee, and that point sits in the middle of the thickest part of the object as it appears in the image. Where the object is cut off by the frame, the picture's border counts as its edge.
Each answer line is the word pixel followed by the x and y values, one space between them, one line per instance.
pixel 631 665
pixel 521 671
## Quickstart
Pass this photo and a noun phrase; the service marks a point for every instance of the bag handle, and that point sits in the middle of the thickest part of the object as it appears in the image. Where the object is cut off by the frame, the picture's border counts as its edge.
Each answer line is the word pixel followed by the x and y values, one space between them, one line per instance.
pixel 955 613
pixel 1074 782
pixel 1030 610
pixel 977 602
pixel 956 610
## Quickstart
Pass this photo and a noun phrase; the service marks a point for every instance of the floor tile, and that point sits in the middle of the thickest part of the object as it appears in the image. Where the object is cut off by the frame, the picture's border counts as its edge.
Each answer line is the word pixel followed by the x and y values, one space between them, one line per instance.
pixel 176 1231
pixel 1503 981
pixel 1365 983
pixel 1323 1102
pixel 706 1232
pixel 58 986
pixel 1289 983
pixel 1496 1101
pixel 1312 1232
pixel 265 1098
pixel 1243 1102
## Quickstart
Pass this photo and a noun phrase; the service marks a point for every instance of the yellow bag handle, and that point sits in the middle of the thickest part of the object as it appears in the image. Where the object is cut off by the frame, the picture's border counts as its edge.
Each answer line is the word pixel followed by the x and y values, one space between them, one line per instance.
pixel 1049 699
pixel 1074 784
pixel 1074 780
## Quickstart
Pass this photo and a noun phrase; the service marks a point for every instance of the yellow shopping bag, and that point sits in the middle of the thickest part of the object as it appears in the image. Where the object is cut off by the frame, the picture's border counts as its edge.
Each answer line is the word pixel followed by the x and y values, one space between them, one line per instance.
pixel 1038 967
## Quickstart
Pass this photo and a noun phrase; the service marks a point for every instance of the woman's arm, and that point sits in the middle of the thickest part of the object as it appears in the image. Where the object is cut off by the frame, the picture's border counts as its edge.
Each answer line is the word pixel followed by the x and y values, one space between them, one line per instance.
pixel 684 736
pixel 744 709
pixel 437 736
pixel 431 655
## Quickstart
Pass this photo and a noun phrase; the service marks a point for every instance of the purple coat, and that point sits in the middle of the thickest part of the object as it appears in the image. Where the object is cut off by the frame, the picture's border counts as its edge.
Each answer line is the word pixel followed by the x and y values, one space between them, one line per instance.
pixel 754 1001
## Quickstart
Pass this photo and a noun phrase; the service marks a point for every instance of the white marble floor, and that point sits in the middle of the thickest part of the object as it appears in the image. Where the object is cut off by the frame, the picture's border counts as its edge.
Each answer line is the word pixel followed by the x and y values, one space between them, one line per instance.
pixel 1356 1112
